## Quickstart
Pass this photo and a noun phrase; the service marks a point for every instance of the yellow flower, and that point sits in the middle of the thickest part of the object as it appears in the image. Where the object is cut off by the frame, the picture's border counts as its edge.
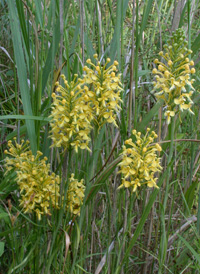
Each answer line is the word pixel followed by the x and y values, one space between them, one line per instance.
pixel 39 189
pixel 103 87
pixel 140 162
pixel 75 195
pixel 173 76
pixel 71 116
pixel 169 114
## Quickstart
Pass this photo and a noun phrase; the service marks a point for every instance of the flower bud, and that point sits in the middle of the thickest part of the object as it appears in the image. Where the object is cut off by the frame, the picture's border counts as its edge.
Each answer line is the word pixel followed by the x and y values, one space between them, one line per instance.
pixel 161 68
pixel 170 63
pixel 154 71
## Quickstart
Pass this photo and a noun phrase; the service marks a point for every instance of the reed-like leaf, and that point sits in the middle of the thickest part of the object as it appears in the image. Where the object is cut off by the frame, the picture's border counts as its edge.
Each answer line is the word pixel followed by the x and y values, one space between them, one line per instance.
pixel 195 254
pixel 21 71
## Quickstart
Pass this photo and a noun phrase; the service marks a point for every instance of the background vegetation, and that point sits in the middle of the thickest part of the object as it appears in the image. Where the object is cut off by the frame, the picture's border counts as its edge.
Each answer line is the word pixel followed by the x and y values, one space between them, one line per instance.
pixel 156 231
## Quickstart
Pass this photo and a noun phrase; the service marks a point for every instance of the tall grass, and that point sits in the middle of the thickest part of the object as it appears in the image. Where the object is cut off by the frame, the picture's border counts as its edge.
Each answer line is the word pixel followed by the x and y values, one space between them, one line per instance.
pixel 155 230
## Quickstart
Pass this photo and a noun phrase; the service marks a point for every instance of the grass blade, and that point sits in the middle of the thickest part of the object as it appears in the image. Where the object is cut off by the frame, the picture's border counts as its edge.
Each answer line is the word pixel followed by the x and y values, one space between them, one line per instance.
pixel 21 71
pixel 196 255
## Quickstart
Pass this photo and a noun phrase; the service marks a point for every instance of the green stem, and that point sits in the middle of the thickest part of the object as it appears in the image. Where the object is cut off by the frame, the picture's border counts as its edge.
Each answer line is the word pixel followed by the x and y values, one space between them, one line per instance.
pixel 165 236
pixel 171 149
pixel 136 63
pixel 198 215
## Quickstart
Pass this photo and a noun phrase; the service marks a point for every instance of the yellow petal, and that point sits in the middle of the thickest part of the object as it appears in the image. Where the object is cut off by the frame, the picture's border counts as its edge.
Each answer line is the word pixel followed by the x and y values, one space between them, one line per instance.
pixel 127 183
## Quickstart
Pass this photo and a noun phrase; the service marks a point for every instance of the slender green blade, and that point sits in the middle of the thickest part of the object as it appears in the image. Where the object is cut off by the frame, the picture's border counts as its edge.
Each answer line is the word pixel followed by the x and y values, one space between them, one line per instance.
pixel 145 16
pixel 196 255
pixel 38 11
pixel 25 117
pixel 196 44
pixel 115 43
pixel 51 54
pixel 2 244
pixel 149 116
pixel 21 71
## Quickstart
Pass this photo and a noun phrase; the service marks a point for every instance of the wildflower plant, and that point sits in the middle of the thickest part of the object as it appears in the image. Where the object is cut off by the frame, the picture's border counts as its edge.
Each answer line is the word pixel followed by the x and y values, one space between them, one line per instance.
pixel 71 116
pixel 139 161
pixel 173 75
pixel 103 87
pixel 39 189
pixel 75 195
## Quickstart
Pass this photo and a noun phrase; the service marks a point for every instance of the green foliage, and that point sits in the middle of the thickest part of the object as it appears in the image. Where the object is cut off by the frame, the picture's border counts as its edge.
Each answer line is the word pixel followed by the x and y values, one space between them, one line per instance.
pixel 153 230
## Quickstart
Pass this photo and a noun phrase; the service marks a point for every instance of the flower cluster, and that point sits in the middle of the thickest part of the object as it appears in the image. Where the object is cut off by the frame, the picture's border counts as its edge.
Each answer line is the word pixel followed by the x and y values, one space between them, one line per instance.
pixel 39 188
pixel 71 116
pixel 103 87
pixel 75 195
pixel 95 98
pixel 140 162
pixel 173 76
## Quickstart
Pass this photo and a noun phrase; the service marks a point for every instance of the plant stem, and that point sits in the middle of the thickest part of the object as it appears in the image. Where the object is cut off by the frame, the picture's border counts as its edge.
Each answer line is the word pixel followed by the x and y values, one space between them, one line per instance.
pixel 163 246
pixel 171 131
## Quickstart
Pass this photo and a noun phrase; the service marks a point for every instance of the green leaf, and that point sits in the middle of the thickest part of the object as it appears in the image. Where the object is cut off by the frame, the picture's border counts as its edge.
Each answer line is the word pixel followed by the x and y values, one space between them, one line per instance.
pixel 190 193
pixel 143 72
pixel 196 45
pixel 115 43
pixel 149 116
pixel 147 10
pixel 25 117
pixel 20 9
pixel 89 45
pixel 75 37
pixel 2 244
pixel 21 71
pixel 51 54
pixel 102 178
pixel 195 254
pixel 38 8
pixel 3 215
pixel 78 233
